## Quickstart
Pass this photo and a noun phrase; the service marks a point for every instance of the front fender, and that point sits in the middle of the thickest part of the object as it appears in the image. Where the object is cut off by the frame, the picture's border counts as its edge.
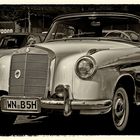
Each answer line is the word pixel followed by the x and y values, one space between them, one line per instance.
pixel 63 71
pixel 100 87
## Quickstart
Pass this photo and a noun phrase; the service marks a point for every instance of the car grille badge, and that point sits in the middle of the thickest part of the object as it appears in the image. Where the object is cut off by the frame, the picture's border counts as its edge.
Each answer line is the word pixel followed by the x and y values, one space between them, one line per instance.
pixel 27 50
pixel 17 74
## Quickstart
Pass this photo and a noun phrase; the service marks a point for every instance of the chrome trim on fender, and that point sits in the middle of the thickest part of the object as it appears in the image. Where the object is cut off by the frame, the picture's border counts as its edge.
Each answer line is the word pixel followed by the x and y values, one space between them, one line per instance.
pixel 115 63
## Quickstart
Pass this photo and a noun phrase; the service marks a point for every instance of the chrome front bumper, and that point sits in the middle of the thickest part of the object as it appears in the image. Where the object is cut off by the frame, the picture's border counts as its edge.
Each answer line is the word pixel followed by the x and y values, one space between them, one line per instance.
pixel 85 107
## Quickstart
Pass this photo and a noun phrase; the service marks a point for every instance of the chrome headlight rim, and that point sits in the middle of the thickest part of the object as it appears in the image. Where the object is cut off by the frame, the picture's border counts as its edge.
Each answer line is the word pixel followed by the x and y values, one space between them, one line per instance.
pixel 90 58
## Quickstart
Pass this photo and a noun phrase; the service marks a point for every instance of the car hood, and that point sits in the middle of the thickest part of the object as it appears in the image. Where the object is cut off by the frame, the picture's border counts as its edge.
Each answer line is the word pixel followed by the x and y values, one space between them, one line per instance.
pixel 61 48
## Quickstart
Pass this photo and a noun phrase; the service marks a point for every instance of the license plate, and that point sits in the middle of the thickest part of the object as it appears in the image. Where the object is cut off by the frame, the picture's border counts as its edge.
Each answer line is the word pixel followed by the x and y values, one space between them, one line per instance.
pixel 21 105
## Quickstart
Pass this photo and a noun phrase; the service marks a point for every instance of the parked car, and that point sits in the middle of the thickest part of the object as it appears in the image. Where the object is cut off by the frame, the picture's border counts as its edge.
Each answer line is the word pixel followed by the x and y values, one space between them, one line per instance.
pixel 126 34
pixel 79 71
pixel 17 40
pixel 10 42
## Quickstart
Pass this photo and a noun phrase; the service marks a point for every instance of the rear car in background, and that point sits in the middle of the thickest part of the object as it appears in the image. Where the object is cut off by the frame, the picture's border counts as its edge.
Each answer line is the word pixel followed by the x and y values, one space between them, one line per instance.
pixel 10 42
pixel 76 69
pixel 18 40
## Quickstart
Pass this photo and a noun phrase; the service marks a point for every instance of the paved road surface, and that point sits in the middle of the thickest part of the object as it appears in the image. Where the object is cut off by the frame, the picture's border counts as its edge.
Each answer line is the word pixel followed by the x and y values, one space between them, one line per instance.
pixel 42 125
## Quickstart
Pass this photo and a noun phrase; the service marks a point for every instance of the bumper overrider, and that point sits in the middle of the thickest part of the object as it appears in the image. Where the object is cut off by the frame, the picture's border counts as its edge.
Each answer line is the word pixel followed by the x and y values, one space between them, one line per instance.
pixel 52 103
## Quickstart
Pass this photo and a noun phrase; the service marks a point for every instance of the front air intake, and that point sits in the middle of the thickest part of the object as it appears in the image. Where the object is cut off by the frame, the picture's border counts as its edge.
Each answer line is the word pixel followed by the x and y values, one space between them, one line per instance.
pixel 29 75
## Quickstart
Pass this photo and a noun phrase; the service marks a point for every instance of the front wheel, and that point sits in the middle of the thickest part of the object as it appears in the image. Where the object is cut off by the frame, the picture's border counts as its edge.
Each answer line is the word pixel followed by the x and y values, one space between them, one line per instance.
pixel 120 109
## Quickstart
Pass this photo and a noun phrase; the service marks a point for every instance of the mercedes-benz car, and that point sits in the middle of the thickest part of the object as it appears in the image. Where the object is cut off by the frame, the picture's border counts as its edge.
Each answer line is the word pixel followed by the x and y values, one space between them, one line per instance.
pixel 76 69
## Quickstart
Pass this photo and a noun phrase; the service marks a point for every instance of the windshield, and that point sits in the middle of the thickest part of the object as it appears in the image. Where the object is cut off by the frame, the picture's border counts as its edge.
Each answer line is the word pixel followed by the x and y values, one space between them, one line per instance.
pixel 94 26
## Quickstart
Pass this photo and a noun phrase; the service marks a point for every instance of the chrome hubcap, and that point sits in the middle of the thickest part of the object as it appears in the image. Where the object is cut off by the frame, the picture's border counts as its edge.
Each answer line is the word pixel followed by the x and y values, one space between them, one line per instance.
pixel 119 110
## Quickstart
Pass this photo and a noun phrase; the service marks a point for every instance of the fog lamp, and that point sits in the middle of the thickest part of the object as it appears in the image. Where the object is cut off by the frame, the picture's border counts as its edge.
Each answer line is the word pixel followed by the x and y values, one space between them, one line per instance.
pixel 60 90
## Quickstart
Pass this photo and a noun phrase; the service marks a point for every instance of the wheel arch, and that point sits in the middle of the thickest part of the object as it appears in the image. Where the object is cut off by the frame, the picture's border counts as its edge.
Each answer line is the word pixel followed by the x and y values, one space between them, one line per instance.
pixel 127 81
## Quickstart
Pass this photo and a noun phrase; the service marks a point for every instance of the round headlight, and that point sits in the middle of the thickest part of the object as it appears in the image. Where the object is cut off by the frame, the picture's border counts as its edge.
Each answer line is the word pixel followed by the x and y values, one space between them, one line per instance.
pixel 85 67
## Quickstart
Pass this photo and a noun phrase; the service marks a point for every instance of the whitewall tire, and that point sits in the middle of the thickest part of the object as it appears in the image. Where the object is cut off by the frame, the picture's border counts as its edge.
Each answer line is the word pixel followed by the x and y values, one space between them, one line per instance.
pixel 120 109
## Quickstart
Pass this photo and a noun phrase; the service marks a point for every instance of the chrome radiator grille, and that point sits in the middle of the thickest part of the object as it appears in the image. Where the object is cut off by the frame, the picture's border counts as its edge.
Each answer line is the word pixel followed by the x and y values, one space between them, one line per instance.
pixel 29 75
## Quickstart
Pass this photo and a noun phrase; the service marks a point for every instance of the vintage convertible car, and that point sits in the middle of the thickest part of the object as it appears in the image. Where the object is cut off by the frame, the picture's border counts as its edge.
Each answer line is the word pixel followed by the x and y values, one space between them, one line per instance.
pixel 76 69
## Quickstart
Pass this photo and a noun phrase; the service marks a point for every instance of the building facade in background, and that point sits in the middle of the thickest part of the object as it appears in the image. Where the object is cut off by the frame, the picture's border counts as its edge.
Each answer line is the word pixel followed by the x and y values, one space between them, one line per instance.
pixel 38 18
